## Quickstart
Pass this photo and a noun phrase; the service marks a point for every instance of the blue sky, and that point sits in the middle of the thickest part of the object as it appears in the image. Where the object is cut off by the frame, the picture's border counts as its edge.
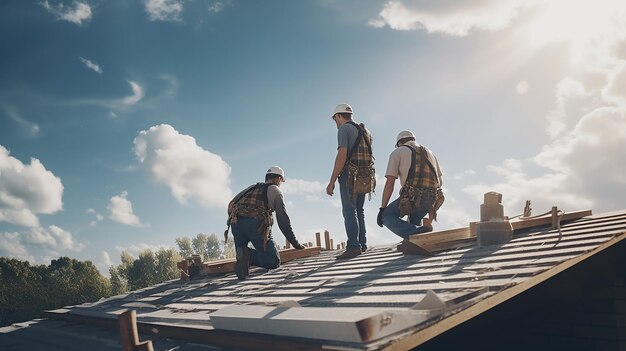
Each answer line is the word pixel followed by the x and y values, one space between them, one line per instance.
pixel 126 124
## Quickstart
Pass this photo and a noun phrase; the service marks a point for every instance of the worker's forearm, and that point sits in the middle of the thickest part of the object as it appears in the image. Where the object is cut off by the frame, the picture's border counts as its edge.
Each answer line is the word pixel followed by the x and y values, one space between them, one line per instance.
pixel 387 191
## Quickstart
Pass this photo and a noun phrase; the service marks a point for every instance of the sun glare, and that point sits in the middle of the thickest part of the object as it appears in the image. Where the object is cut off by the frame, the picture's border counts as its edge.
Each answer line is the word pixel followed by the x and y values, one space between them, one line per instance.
pixel 588 27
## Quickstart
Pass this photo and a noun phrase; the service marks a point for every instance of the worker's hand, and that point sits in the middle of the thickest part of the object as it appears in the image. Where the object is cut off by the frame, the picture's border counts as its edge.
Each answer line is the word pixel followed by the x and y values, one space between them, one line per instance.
pixel 379 218
pixel 330 188
pixel 298 246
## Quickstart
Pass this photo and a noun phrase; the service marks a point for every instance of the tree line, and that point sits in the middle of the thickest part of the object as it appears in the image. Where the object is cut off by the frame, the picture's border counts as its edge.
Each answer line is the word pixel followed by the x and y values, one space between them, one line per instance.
pixel 26 290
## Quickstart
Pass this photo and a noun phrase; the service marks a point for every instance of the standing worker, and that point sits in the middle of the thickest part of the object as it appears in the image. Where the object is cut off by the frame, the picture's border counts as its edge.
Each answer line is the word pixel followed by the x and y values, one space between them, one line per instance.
pixel 250 214
pixel 420 178
pixel 354 168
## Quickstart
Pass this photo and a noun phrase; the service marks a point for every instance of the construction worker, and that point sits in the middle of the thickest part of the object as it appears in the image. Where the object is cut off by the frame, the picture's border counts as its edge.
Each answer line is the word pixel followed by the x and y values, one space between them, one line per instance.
pixel 250 214
pixel 420 178
pixel 354 168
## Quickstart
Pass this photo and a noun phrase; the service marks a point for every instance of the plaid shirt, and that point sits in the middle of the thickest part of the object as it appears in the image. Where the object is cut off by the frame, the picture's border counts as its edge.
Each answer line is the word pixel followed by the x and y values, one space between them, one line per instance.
pixel 253 203
pixel 361 153
pixel 429 177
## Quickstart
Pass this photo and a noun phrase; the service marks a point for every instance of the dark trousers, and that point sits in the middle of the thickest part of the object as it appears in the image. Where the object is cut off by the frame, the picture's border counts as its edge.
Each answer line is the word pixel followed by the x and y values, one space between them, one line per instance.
pixel 247 230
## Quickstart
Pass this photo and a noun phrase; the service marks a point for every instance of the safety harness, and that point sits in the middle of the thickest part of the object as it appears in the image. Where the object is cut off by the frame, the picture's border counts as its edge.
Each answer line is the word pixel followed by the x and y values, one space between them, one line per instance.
pixel 424 184
pixel 253 203
pixel 360 164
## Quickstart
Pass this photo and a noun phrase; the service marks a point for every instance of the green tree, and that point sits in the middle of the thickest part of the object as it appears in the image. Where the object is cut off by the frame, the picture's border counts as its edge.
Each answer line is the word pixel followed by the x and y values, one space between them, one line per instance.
pixel 119 284
pixel 185 248
pixel 212 247
pixel 229 249
pixel 200 246
pixel 142 273
pixel 26 291
pixel 166 264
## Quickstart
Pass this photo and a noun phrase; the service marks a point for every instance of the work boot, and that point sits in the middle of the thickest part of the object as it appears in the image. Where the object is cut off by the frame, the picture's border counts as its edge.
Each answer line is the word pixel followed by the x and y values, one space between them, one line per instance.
pixel 349 253
pixel 363 248
pixel 242 266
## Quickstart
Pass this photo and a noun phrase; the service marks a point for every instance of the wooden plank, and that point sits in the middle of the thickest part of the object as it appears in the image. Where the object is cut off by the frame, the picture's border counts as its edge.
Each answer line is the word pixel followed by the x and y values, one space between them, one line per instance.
pixel 411 248
pixel 444 235
pixel 436 241
pixel 519 224
pixel 228 265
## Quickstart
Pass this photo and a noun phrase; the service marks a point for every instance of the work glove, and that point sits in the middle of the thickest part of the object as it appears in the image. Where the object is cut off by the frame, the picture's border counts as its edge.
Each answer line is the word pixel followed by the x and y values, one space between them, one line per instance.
pixel 379 218
pixel 298 246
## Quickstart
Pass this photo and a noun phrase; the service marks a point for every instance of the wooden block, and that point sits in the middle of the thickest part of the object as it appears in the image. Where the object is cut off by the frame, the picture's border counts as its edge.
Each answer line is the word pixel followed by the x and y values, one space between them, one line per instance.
pixel 410 248
pixel 327 240
pixel 228 265
pixel 441 236
pixel 492 198
pixel 547 219
pixel 129 335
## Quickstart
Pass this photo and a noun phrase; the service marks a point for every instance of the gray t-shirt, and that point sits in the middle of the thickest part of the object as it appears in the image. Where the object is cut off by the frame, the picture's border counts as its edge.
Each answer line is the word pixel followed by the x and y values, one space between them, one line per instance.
pixel 347 135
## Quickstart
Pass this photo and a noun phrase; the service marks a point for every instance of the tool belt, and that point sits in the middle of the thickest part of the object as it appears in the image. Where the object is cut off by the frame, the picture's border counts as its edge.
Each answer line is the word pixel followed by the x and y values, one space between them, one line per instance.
pixel 361 179
pixel 411 199
pixel 264 216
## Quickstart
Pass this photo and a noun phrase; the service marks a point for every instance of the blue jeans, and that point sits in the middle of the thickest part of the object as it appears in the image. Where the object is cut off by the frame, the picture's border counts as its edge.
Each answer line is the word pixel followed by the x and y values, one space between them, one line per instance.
pixel 402 228
pixel 247 230
pixel 353 215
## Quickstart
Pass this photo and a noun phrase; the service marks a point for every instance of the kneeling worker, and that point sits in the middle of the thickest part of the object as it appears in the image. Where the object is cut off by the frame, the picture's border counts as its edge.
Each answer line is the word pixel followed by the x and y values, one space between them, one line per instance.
pixel 420 178
pixel 250 214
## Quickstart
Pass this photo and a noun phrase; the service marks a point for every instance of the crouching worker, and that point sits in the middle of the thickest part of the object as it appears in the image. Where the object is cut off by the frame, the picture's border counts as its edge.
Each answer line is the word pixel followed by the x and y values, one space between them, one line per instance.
pixel 420 178
pixel 250 215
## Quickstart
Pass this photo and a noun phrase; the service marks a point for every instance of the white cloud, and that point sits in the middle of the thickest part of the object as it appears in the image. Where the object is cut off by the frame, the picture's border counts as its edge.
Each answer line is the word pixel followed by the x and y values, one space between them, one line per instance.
pixel 137 94
pixel 106 259
pixel 218 6
pixel 26 190
pixel 615 90
pixel 572 100
pixel 11 246
pixel 91 65
pixel 98 217
pixel 301 187
pixel 465 173
pixel 164 10
pixel 52 238
pixel 32 128
pixel 583 167
pixel 450 17
pixel 121 210
pixel 78 13
pixel 190 172
pixel 52 242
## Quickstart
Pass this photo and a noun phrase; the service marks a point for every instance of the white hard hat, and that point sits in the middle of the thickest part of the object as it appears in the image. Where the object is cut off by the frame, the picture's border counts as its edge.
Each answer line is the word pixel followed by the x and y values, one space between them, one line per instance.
pixel 276 170
pixel 343 108
pixel 404 134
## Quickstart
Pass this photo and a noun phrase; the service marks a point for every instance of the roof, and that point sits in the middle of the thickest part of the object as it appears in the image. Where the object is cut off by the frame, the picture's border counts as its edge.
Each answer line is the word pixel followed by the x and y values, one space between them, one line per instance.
pixel 374 301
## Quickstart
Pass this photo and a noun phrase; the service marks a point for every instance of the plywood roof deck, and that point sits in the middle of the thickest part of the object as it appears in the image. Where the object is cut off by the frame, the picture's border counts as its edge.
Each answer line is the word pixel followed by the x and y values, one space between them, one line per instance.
pixel 473 279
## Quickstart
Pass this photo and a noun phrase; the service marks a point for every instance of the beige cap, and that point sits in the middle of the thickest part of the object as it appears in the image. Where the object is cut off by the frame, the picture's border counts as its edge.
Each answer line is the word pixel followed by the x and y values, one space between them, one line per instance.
pixel 343 108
